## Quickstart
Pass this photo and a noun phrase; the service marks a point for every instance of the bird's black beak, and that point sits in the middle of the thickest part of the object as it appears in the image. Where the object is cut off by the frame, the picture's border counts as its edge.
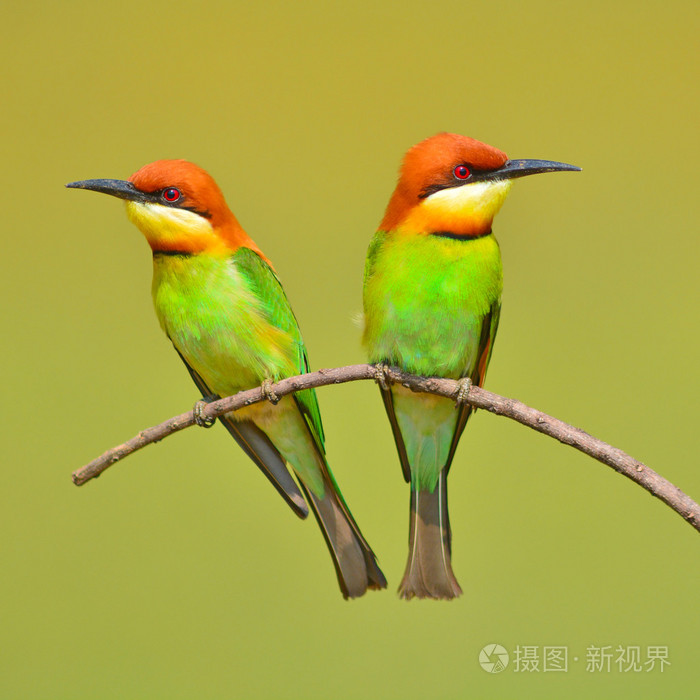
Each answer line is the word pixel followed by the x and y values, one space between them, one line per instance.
pixel 117 188
pixel 521 168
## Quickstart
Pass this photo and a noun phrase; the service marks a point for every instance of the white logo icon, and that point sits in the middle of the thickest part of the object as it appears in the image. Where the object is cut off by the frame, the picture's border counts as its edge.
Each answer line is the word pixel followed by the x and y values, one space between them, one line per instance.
pixel 493 658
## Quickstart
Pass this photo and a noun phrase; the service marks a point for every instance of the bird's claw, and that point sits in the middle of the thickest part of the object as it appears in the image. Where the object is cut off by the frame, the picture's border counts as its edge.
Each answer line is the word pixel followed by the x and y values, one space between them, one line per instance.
pixel 268 393
pixel 380 375
pixel 464 385
pixel 201 420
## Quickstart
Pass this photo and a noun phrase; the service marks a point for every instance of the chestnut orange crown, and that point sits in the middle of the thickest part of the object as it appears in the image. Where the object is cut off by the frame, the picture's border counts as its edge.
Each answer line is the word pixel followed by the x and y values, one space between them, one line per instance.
pixel 431 163
pixel 196 187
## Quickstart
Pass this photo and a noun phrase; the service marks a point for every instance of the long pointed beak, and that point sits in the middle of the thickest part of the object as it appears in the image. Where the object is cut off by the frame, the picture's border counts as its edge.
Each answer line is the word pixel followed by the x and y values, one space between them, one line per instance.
pixel 117 188
pixel 521 168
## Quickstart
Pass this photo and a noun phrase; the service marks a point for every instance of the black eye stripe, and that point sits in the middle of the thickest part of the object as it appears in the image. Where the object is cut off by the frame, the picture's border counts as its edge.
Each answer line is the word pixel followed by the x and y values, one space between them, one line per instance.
pixel 452 180
pixel 180 201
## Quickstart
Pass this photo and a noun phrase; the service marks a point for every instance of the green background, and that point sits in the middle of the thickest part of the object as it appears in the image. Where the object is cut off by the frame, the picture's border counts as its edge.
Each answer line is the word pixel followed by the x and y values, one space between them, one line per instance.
pixel 180 573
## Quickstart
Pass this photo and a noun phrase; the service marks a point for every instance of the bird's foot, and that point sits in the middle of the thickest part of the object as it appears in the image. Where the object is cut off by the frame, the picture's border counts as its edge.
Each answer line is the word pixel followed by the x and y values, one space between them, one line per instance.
pixel 381 375
pixel 464 385
pixel 201 420
pixel 268 393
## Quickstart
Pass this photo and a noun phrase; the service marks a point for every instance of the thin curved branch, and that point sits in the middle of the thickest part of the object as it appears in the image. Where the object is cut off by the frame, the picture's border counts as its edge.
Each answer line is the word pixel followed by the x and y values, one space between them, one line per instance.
pixel 476 396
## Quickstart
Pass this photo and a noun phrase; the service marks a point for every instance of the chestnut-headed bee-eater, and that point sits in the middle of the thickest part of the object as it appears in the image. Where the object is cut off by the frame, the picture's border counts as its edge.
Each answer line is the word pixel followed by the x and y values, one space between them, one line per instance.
pixel 432 299
pixel 222 306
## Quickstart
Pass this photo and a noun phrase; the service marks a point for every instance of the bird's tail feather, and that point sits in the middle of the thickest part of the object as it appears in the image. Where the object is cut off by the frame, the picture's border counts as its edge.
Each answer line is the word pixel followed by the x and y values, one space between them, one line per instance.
pixel 429 569
pixel 355 562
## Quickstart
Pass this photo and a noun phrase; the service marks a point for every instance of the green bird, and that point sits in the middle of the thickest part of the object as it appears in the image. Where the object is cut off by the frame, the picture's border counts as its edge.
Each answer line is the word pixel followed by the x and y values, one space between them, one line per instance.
pixel 220 303
pixel 432 300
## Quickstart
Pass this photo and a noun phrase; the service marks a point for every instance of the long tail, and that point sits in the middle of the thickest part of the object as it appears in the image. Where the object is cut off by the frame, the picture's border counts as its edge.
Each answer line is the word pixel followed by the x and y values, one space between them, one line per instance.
pixel 429 569
pixel 355 562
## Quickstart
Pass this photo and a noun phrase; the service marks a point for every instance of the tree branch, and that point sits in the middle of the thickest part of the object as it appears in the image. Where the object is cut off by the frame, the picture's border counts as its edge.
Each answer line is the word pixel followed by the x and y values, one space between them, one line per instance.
pixel 476 396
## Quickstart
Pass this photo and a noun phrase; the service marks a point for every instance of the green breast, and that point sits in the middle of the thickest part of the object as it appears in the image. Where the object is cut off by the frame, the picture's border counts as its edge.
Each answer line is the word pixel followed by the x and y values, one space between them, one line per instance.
pixel 425 298
pixel 210 309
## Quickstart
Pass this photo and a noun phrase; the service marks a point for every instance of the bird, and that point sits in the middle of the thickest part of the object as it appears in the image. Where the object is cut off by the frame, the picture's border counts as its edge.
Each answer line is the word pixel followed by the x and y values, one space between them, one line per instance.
pixel 221 304
pixel 432 300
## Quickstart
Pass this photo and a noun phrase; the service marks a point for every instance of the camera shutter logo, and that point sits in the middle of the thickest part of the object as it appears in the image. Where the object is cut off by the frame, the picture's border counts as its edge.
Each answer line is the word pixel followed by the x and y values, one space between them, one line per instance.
pixel 493 658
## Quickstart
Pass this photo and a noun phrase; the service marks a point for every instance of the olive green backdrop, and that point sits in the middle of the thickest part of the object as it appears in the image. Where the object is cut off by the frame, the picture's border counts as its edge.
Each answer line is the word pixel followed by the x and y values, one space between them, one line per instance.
pixel 180 573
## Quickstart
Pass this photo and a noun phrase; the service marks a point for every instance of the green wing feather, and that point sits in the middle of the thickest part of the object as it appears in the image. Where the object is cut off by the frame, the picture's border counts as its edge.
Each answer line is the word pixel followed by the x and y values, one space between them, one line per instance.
pixel 259 448
pixel 269 290
pixel 488 335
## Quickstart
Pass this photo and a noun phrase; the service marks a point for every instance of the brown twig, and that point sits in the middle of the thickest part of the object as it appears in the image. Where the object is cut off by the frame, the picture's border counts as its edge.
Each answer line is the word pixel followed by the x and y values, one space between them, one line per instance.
pixel 480 398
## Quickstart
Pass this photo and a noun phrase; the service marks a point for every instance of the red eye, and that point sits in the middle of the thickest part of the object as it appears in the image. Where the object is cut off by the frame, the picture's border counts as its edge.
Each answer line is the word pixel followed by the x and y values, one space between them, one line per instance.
pixel 171 194
pixel 461 172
